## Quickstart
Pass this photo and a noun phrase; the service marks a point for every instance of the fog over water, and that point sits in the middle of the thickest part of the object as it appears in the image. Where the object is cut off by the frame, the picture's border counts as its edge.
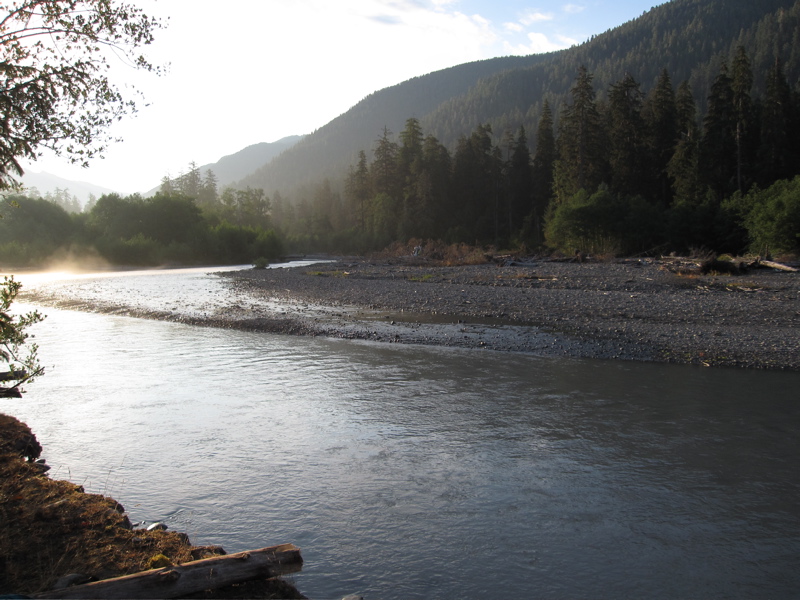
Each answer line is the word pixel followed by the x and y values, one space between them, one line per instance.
pixel 421 472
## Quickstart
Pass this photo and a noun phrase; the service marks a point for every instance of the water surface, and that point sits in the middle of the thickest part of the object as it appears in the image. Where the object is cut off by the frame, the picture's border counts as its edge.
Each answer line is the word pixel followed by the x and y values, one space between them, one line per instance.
pixel 413 472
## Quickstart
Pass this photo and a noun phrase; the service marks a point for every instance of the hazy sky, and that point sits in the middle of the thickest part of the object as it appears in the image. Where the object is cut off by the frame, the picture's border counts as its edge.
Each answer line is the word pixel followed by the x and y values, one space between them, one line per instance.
pixel 249 71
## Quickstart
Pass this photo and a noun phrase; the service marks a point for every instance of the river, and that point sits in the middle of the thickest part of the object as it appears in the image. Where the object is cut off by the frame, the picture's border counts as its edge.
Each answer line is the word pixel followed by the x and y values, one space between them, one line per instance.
pixel 421 472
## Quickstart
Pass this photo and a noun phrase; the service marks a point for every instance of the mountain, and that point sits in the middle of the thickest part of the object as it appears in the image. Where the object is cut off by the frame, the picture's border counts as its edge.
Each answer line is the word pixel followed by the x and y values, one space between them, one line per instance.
pixel 45 183
pixel 234 167
pixel 690 38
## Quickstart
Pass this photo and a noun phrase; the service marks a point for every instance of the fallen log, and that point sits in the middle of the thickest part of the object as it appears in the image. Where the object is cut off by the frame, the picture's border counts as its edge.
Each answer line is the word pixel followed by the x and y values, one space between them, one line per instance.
pixel 191 577
pixel 12 375
pixel 775 265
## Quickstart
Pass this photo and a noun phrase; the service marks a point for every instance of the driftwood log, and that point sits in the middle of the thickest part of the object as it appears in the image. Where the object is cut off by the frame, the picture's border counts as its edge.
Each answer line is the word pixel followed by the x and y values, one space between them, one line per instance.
pixel 12 375
pixel 191 577
pixel 774 265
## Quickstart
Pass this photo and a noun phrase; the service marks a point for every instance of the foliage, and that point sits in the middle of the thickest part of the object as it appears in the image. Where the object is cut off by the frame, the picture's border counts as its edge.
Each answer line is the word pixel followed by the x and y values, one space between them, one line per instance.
pixel 32 230
pixel 771 217
pixel 21 366
pixel 163 229
pixel 689 38
pixel 56 92
pixel 604 223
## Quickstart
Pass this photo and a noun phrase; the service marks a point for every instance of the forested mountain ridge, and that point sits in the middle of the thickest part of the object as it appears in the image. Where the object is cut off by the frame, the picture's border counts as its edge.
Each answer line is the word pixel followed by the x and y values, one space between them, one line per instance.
pixel 328 151
pixel 689 38
pixel 677 131
pixel 233 167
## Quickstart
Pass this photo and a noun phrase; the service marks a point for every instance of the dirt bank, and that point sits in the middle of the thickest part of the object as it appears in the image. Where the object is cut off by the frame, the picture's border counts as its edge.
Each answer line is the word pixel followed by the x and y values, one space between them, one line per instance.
pixel 51 529
pixel 632 309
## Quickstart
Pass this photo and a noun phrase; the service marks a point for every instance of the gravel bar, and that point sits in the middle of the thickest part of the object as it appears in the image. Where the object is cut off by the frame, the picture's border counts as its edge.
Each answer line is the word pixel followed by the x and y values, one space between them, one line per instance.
pixel 631 309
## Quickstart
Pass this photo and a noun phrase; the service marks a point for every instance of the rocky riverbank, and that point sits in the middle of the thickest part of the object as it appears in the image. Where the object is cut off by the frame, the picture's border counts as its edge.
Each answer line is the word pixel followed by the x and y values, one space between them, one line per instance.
pixel 665 310
pixel 652 310
pixel 53 534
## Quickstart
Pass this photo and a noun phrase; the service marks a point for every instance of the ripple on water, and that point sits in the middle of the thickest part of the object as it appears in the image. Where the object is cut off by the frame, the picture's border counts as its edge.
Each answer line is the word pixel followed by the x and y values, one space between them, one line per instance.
pixel 476 472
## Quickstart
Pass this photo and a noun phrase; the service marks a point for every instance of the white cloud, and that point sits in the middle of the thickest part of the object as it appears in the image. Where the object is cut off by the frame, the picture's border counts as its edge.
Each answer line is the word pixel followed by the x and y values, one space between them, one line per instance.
pixel 573 9
pixel 538 43
pixel 531 17
pixel 567 41
pixel 513 27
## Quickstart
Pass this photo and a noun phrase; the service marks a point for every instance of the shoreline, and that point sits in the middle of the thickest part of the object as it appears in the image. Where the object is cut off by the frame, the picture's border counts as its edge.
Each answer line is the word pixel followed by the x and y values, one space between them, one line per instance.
pixel 643 310
pixel 627 309
pixel 56 535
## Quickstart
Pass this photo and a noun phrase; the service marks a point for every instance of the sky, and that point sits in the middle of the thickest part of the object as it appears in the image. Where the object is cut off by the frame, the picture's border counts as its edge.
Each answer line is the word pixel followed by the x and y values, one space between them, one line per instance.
pixel 248 71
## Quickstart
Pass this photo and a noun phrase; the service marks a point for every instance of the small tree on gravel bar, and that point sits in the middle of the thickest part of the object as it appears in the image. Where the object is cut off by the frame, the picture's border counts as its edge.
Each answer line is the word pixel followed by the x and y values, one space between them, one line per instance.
pixel 21 364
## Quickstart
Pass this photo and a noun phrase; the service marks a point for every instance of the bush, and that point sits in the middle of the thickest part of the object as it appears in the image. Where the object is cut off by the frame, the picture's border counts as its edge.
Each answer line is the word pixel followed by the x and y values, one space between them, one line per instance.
pixel 771 217
pixel 605 224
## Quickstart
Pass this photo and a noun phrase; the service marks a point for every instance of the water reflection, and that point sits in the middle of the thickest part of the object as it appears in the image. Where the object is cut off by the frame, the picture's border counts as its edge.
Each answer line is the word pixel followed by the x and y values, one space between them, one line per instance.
pixel 406 472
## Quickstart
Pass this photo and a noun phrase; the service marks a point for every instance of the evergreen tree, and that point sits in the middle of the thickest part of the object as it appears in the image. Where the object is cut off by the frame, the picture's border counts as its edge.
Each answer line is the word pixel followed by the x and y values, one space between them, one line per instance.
pixel 410 169
pixel 190 183
pixel 718 160
pixel 520 182
pixel 683 167
pixel 357 190
pixel 386 186
pixel 434 189
pixel 208 197
pixel 775 152
pixel 384 169
pixel 543 163
pixel 476 179
pixel 628 152
pixel 741 85
pixel 582 163
pixel 661 115
pixel 410 150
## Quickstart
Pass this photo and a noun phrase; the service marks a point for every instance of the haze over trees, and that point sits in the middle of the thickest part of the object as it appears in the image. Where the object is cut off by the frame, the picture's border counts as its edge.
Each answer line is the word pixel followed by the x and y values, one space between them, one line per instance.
pixel 633 174
pixel 668 115
pixel 657 135
pixel 55 93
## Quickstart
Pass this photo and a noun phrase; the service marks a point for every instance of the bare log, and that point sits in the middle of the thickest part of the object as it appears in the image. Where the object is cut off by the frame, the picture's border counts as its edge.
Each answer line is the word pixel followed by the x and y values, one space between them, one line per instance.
pixel 775 265
pixel 12 375
pixel 191 577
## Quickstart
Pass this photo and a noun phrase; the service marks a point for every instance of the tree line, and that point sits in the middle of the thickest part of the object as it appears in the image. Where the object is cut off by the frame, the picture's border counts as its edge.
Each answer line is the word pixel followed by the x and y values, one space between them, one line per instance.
pixel 167 228
pixel 630 173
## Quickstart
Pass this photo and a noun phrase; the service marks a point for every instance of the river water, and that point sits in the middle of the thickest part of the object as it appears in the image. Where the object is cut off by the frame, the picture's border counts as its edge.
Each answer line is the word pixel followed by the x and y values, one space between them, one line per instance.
pixel 417 472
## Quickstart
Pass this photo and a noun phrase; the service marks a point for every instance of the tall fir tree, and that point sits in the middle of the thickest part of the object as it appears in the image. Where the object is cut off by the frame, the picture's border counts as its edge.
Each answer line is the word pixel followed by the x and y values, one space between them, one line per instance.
pixel 718 146
pixel 409 170
pixel 581 152
pixel 434 188
pixel 543 164
pixel 684 165
pixel 357 191
pixel 520 182
pixel 775 155
pixel 741 85
pixel 628 150
pixel 661 115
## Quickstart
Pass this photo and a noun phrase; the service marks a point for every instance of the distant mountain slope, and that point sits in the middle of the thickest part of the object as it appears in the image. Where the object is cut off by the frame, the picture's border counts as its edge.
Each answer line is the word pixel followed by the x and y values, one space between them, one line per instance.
pixel 688 37
pixel 45 182
pixel 332 147
pixel 234 167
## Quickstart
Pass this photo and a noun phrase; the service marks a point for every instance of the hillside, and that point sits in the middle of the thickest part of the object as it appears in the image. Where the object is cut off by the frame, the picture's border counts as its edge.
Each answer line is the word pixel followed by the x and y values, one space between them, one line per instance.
pixel 687 37
pixel 233 167
pixel 329 150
